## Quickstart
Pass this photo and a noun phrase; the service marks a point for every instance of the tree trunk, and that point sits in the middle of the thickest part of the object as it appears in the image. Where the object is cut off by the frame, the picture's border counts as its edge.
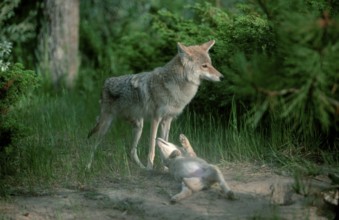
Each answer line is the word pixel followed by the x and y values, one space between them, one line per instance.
pixel 58 42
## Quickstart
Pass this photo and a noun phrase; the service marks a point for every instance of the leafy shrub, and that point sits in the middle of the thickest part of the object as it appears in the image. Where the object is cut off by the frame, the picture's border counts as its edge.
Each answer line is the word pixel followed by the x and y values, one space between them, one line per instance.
pixel 121 39
pixel 17 31
pixel 15 83
pixel 5 50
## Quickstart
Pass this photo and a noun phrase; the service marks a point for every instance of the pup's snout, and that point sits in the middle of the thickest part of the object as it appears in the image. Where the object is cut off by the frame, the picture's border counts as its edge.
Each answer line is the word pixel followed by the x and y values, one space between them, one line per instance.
pixel 166 148
pixel 221 78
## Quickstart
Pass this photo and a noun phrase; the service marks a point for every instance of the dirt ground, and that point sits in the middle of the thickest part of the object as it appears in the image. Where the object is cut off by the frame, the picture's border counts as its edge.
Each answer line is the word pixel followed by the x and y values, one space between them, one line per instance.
pixel 260 192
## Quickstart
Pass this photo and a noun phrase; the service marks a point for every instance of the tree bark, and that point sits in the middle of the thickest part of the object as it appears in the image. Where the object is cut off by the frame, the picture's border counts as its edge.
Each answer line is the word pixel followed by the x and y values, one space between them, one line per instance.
pixel 59 42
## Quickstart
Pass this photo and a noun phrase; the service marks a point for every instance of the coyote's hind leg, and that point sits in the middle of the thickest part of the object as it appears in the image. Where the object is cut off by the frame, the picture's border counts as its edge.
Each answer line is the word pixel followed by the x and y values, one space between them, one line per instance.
pixel 137 131
pixel 151 152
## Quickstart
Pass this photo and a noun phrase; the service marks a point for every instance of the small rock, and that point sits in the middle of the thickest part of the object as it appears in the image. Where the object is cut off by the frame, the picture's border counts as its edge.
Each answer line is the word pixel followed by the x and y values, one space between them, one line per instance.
pixel 282 193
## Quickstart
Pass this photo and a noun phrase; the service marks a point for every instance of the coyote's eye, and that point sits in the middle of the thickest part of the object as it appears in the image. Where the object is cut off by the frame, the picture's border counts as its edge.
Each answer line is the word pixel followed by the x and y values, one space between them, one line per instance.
pixel 204 65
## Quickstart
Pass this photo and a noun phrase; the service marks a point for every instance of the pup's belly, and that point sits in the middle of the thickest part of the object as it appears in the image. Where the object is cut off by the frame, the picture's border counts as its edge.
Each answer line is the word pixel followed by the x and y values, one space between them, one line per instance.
pixel 192 169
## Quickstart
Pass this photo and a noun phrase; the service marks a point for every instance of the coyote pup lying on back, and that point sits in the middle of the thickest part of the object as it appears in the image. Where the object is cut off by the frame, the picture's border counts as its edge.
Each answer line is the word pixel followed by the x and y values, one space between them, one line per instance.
pixel 160 95
pixel 194 173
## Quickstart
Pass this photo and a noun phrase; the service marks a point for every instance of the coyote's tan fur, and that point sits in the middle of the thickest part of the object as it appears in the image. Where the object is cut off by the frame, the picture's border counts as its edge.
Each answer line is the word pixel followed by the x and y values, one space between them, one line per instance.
pixel 159 95
pixel 194 173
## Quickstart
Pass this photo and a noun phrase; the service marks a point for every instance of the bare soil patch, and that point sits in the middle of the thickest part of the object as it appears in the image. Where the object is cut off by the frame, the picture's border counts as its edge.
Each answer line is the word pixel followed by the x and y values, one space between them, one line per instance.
pixel 260 192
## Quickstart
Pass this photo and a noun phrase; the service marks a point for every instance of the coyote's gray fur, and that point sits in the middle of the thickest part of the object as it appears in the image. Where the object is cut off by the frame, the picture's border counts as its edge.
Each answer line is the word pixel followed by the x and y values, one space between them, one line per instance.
pixel 194 173
pixel 159 95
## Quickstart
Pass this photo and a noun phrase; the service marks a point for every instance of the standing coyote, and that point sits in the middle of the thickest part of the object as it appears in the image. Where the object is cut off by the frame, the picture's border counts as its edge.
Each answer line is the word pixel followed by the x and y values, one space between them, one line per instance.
pixel 159 95
pixel 194 173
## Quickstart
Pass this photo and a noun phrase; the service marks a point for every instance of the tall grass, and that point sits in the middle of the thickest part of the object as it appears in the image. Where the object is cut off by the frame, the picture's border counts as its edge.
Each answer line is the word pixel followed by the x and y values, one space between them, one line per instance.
pixel 56 150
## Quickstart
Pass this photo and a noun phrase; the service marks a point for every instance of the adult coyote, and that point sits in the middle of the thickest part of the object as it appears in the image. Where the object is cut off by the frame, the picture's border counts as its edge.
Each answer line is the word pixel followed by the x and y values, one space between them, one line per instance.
pixel 159 95
pixel 194 173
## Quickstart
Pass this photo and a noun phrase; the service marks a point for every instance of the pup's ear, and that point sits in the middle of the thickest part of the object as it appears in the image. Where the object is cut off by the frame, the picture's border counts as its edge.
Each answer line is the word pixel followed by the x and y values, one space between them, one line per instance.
pixel 208 45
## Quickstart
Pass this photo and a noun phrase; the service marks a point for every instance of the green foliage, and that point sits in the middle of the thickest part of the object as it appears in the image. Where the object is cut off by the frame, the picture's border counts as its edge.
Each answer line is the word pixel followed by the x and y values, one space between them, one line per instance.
pixel 117 38
pixel 15 83
pixel 310 49
pixel 102 44
pixel 135 51
pixel 5 50
pixel 296 82
pixel 102 37
pixel 16 29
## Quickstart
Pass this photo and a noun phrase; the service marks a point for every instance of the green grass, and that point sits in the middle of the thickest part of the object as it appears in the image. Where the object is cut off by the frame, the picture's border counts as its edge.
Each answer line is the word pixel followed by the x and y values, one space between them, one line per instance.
pixel 56 149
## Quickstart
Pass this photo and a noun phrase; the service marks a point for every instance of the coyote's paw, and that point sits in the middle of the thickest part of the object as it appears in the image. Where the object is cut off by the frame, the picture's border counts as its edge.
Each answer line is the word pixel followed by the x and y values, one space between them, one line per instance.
pixel 230 195
pixel 165 169
pixel 173 200
pixel 149 166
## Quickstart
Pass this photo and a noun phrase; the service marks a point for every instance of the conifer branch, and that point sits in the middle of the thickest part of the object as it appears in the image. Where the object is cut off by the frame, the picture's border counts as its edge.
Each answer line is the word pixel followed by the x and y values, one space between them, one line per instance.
pixel 272 93
pixel 265 9
pixel 331 101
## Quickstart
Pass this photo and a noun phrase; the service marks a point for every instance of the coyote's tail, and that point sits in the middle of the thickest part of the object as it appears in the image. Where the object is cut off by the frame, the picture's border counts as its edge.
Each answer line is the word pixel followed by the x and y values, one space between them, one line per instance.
pixel 103 124
pixel 101 128
pixel 94 130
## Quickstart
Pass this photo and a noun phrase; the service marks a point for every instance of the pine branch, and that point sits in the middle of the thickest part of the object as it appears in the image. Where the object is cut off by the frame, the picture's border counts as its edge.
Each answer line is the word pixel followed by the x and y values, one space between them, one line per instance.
pixel 334 88
pixel 332 101
pixel 273 93
pixel 265 9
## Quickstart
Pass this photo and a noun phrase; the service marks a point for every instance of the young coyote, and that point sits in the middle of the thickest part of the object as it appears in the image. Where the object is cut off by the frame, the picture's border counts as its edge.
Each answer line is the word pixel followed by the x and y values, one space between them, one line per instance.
pixel 159 95
pixel 194 173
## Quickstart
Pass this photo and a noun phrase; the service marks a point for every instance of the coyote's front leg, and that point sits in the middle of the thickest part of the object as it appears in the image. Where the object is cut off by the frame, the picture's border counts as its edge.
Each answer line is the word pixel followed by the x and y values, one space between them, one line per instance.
pixel 154 130
pixel 165 126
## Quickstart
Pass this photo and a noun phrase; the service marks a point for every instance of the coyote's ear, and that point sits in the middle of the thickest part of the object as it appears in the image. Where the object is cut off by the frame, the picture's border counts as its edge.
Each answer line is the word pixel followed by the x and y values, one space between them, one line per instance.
pixel 183 51
pixel 207 46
